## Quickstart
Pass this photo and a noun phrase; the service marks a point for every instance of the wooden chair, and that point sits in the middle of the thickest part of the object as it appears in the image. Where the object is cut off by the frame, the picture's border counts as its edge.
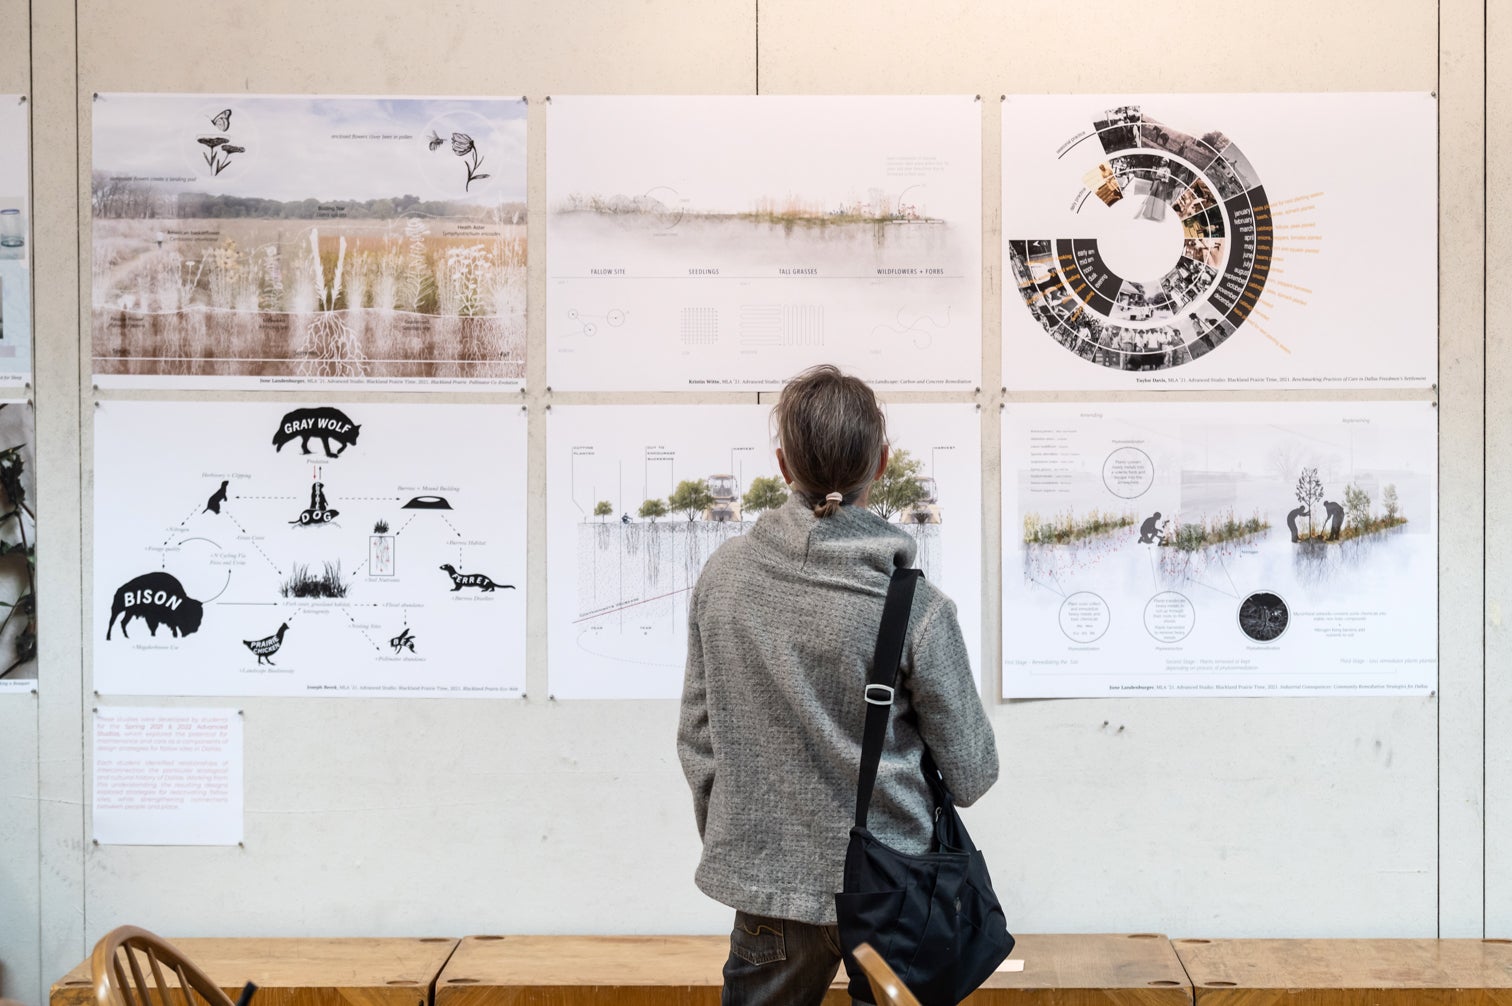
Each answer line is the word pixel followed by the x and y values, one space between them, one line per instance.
pixel 886 986
pixel 119 979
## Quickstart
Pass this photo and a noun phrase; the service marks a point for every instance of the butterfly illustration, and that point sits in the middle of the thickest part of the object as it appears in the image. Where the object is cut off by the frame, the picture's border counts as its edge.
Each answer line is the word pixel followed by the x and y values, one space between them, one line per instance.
pixel 434 141
pixel 223 120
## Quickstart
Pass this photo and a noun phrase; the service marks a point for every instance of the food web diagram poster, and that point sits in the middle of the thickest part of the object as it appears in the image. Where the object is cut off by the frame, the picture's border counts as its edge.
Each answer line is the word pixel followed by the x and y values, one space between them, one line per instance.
pixel 733 241
pixel 341 549
pixel 15 242
pixel 639 496
pixel 1167 241
pixel 1219 549
pixel 258 241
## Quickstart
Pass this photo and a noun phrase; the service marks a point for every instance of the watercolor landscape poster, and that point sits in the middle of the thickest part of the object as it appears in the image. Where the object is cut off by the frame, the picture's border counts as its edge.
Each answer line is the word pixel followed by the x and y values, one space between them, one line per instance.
pixel 729 242
pixel 265 241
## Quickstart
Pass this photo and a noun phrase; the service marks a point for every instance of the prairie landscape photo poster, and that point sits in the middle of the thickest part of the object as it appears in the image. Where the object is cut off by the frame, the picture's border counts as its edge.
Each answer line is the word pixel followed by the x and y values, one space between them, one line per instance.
pixel 253 241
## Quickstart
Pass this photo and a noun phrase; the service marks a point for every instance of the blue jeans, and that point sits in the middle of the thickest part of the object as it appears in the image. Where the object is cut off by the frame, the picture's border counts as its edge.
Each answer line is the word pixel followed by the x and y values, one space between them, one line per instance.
pixel 779 962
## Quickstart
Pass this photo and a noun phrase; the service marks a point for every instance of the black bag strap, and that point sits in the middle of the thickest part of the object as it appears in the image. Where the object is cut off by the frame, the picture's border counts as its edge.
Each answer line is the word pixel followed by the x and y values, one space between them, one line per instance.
pixel 880 683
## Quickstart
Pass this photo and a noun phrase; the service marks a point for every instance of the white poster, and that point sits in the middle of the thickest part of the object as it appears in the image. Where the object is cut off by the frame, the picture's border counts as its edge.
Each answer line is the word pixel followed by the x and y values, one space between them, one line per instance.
pixel 1276 548
pixel 639 496
pixel 15 242
pixel 733 241
pixel 256 241
pixel 352 549
pixel 1220 240
pixel 167 776
pixel 18 547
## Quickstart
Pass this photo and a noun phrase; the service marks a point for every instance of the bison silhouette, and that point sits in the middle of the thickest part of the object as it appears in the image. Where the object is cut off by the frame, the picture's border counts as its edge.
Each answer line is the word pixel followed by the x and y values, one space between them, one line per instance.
pixel 159 599
pixel 325 423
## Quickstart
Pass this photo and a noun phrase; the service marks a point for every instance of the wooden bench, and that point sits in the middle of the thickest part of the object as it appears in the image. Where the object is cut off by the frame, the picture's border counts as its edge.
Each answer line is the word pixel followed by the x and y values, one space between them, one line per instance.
pixel 1352 972
pixel 685 971
pixel 302 972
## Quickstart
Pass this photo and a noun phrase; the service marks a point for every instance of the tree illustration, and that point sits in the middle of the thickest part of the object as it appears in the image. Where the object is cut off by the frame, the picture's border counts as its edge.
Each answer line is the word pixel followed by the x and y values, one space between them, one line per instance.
pixel 602 509
pixel 766 493
pixel 691 498
pixel 1356 506
pixel 899 487
pixel 1309 492
pixel 652 509
pixel 1389 502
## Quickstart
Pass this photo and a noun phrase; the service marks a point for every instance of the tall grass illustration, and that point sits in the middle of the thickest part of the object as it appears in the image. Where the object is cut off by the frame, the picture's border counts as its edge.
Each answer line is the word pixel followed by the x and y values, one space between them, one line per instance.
pixel 330 347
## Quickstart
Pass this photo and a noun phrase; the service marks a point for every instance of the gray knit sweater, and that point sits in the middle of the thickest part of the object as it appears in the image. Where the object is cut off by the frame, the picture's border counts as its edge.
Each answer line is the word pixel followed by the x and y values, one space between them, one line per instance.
pixel 781 629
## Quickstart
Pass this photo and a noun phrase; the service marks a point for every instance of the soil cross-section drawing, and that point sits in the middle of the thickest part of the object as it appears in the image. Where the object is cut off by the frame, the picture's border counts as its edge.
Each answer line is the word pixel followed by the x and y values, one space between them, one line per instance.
pixel 250 566
pixel 639 497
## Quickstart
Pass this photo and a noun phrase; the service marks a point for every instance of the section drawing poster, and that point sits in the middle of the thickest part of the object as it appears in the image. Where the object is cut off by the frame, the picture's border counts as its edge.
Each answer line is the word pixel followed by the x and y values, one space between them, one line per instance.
pixel 733 241
pixel 167 776
pixel 342 549
pixel 18 547
pixel 257 241
pixel 15 242
pixel 639 497
pixel 1220 240
pixel 1278 548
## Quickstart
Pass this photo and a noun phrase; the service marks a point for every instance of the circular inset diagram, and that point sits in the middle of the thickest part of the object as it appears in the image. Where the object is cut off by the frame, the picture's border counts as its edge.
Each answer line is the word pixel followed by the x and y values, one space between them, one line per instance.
pixel 615 317
pixel 1169 617
pixel 1263 616
pixel 1128 473
pixel 1084 617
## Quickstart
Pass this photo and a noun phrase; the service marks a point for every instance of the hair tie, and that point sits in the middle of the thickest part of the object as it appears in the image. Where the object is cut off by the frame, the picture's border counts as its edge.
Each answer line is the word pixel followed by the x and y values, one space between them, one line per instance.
pixel 837 497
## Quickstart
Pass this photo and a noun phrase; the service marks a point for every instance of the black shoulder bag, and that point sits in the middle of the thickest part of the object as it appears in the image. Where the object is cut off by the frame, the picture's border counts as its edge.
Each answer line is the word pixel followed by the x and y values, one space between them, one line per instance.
pixel 933 917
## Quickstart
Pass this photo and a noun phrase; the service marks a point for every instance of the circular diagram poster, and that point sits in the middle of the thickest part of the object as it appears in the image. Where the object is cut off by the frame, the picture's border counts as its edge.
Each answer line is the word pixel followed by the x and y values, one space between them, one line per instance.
pixel 1283 240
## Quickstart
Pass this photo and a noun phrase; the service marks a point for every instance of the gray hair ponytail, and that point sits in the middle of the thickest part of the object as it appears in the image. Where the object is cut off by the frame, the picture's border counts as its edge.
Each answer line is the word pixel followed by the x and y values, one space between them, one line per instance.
pixel 832 433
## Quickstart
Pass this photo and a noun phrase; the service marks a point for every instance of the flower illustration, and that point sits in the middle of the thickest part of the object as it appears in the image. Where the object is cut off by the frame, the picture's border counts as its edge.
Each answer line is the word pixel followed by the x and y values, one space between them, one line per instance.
pixel 218 149
pixel 463 146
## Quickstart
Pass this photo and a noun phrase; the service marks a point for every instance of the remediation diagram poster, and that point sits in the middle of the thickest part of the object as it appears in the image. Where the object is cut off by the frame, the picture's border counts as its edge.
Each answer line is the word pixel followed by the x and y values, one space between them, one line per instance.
pixel 262 241
pixel 301 548
pixel 1276 548
pixel 639 496
pixel 1220 241
pixel 15 242
pixel 732 241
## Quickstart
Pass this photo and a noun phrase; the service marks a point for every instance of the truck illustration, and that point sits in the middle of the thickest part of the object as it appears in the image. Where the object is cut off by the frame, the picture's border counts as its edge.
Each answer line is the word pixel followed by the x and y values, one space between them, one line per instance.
pixel 726 493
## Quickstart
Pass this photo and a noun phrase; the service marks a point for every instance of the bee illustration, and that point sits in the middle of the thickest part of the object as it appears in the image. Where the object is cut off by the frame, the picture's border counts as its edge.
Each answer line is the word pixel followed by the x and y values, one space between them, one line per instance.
pixel 434 141
pixel 222 121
